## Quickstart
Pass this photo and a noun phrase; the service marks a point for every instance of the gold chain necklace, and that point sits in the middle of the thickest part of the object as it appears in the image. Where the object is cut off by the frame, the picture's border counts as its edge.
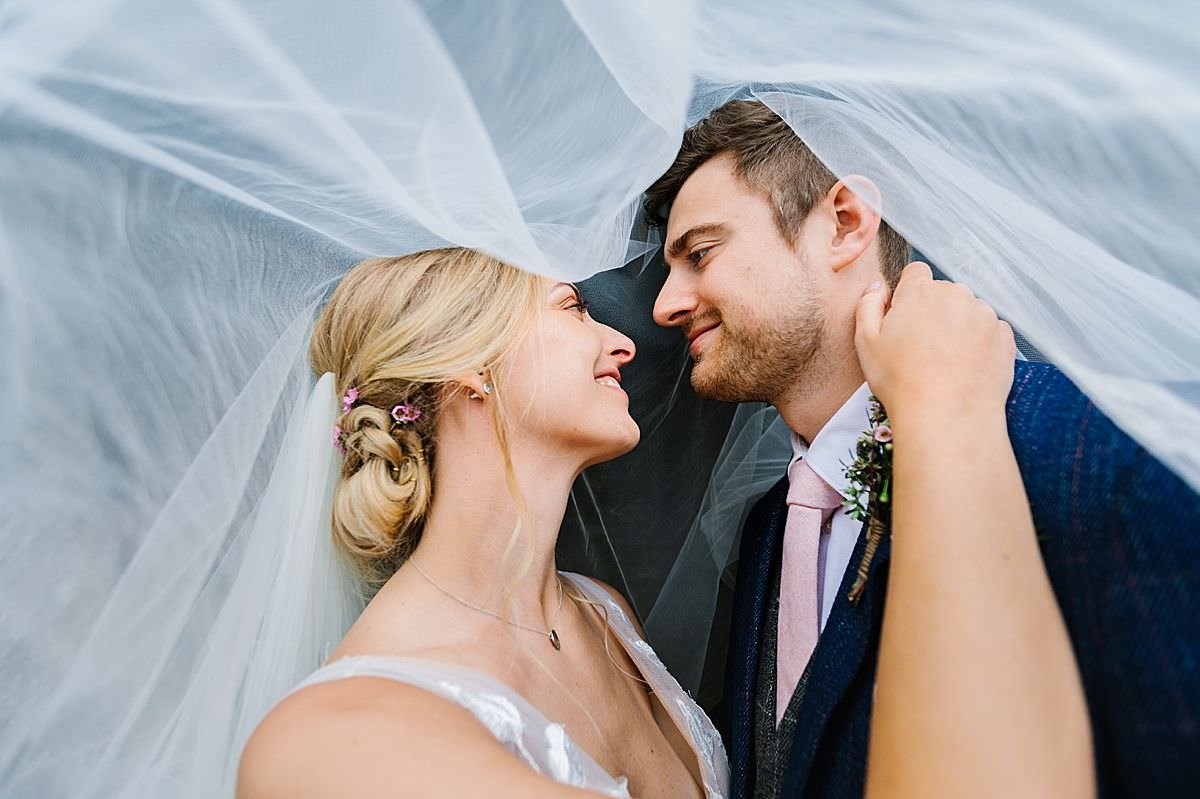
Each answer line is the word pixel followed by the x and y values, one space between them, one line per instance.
pixel 551 634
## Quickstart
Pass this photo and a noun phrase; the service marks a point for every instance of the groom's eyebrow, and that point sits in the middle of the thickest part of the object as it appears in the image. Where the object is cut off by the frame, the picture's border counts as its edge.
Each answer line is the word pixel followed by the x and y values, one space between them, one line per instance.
pixel 681 244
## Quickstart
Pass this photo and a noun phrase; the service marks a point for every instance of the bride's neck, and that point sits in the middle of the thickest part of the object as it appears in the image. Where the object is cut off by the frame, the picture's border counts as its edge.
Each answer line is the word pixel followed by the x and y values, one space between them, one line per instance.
pixel 466 543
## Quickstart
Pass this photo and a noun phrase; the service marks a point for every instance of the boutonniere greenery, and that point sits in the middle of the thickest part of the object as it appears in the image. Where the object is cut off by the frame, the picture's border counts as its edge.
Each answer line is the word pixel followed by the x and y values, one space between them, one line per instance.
pixel 870 476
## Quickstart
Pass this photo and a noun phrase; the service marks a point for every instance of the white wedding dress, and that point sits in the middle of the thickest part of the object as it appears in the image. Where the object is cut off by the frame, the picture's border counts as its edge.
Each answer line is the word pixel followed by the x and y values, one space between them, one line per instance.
pixel 541 743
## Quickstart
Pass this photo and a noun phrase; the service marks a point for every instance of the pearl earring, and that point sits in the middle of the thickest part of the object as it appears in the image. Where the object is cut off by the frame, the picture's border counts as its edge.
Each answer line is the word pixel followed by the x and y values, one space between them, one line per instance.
pixel 487 388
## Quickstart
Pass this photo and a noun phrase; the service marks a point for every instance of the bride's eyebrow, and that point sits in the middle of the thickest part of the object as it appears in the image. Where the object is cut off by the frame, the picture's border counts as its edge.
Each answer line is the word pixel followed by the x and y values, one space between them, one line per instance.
pixel 573 288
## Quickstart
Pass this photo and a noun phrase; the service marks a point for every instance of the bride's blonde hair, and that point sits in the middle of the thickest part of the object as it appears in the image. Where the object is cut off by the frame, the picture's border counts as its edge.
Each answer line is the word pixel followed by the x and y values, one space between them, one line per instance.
pixel 399 330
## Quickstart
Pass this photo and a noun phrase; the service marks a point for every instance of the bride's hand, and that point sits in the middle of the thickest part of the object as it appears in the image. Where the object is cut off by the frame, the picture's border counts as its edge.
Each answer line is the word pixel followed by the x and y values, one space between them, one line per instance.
pixel 936 350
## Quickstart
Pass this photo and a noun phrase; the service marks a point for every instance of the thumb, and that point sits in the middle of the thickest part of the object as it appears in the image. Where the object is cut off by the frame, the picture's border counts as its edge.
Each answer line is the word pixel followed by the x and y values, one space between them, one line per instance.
pixel 869 315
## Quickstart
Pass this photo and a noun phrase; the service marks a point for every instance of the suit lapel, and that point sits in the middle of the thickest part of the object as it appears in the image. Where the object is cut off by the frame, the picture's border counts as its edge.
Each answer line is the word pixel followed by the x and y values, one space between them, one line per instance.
pixel 761 534
pixel 841 650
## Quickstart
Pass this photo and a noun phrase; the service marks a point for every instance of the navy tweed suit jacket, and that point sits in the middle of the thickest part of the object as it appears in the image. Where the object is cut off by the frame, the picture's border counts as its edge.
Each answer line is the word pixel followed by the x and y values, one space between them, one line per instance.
pixel 1119 536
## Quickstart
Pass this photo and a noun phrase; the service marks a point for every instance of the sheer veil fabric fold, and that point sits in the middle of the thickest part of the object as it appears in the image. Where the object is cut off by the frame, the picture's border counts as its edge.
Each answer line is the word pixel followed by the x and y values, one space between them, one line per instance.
pixel 183 182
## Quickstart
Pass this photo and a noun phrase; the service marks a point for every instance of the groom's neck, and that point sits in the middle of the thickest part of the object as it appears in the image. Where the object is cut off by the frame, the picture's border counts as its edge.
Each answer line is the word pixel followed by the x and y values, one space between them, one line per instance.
pixel 809 404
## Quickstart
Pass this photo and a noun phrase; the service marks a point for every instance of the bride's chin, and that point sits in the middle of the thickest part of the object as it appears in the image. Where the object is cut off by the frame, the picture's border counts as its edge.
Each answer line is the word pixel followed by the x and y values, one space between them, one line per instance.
pixel 630 442
pixel 622 441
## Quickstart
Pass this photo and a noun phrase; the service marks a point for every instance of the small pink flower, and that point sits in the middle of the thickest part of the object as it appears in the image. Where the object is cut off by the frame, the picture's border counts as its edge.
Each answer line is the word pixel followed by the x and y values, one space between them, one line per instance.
pixel 406 413
pixel 349 399
pixel 882 434
pixel 337 440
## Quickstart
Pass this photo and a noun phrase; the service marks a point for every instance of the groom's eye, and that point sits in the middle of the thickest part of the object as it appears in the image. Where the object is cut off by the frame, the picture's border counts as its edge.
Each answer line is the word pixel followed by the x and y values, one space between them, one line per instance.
pixel 696 256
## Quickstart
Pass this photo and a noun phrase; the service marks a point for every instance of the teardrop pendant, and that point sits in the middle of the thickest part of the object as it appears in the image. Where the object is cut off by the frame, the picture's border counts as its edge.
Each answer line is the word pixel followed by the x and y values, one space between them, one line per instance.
pixel 554 639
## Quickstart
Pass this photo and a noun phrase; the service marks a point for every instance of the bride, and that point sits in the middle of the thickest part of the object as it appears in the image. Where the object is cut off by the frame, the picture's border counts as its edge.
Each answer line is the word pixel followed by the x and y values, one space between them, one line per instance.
pixel 471 396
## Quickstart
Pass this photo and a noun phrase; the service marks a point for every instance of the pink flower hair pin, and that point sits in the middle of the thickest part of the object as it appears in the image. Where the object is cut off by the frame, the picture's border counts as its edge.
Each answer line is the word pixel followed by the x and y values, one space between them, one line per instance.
pixel 404 414
pixel 339 435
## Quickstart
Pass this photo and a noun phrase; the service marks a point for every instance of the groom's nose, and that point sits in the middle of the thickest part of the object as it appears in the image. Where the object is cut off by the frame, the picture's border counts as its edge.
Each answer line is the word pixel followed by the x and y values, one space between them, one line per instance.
pixel 676 301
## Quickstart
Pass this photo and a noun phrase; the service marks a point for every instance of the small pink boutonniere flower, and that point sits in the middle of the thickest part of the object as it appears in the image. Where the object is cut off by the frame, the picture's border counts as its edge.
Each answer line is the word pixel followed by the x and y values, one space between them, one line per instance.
pixel 869 492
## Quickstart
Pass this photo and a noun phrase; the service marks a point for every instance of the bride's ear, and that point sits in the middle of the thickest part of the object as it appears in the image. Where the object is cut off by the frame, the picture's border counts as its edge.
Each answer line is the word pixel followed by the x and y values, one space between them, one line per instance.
pixel 855 202
pixel 473 385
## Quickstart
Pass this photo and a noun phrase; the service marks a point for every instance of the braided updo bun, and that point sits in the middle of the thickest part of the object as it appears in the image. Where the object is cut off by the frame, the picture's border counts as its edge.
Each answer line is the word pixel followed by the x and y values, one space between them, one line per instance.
pixel 399 331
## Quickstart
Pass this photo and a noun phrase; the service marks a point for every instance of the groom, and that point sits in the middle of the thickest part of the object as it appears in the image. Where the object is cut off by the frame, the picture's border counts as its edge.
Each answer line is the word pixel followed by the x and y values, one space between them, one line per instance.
pixel 768 254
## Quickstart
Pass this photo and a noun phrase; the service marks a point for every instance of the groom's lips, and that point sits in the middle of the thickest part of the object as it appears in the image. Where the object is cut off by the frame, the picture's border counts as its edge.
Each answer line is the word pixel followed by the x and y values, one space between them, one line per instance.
pixel 697 334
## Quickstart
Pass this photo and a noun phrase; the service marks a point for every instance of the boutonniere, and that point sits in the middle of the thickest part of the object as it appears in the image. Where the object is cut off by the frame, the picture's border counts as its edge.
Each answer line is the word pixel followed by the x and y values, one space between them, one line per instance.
pixel 870 476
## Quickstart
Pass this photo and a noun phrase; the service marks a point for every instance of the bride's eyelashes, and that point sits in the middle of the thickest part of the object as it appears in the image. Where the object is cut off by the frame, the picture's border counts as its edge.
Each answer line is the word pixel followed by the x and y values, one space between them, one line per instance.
pixel 576 302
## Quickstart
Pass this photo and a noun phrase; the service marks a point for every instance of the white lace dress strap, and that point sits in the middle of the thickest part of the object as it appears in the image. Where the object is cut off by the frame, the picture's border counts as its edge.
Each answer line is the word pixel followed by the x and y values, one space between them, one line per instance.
pixel 687 715
pixel 543 745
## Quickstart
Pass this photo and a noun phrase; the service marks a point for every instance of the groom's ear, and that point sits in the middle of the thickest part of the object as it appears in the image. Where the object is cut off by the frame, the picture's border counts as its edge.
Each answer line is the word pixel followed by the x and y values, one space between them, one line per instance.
pixel 853 203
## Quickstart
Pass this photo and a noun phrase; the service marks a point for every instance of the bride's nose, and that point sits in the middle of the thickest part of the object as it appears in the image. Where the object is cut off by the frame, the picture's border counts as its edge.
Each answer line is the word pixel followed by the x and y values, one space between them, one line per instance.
pixel 619 346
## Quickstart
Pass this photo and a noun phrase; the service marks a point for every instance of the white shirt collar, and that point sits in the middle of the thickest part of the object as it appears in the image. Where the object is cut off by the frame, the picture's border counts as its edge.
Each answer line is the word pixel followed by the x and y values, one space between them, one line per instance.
pixel 833 448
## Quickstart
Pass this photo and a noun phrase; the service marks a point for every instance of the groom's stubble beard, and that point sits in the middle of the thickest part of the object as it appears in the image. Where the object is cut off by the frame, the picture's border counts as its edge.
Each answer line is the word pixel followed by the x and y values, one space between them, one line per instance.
pixel 761 360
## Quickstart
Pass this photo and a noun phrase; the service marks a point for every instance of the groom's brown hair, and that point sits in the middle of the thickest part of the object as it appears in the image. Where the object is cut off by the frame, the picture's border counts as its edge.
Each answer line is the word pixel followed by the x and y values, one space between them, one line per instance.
pixel 770 158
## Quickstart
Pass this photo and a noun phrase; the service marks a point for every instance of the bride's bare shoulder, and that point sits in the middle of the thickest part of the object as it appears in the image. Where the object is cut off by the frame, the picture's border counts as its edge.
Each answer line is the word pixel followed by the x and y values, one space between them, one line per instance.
pixel 322 736
pixel 378 737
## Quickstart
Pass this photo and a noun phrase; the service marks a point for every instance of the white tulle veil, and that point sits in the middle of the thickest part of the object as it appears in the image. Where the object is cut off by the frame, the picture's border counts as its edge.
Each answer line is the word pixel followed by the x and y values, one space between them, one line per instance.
pixel 184 181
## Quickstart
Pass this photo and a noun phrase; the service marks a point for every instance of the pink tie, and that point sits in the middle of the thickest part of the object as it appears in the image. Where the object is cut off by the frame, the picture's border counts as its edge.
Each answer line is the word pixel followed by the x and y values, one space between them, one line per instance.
pixel 811 503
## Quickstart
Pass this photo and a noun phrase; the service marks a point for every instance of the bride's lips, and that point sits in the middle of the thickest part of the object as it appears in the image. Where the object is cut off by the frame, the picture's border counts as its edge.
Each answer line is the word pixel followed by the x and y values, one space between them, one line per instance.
pixel 610 379
pixel 700 334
